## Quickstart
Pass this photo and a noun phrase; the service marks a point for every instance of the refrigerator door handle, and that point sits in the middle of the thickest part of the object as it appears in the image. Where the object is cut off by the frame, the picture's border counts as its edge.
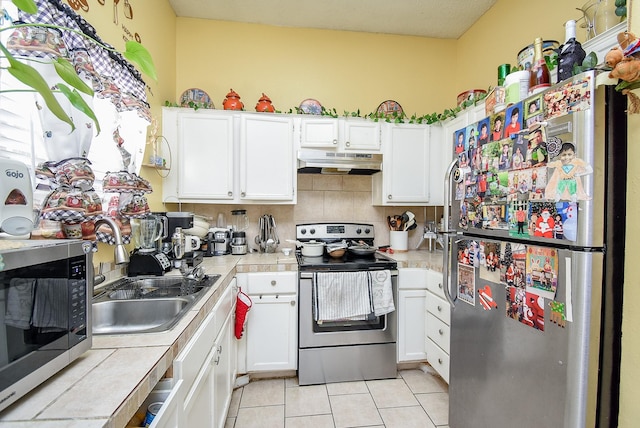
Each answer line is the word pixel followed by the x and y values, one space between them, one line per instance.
pixel 445 229
pixel 446 280
pixel 447 194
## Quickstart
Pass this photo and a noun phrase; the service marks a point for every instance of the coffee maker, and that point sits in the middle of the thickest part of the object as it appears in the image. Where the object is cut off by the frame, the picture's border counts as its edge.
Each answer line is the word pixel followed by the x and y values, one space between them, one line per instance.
pixel 218 242
pixel 146 259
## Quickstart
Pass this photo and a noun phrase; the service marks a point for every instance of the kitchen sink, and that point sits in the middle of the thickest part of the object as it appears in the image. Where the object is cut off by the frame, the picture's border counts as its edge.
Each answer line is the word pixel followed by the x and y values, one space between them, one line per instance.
pixel 146 305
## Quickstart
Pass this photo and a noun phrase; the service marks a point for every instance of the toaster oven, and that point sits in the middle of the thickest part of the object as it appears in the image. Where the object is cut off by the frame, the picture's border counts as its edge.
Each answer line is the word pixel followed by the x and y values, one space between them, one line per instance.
pixel 45 311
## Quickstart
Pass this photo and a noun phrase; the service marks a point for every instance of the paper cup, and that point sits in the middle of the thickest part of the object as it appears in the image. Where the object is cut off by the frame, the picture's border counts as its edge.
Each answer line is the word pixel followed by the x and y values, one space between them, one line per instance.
pixel 399 240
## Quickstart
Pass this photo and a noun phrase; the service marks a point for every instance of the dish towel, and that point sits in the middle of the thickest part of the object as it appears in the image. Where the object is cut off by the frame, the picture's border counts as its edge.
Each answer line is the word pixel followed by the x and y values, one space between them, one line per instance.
pixel 342 295
pixel 382 292
pixel 20 303
pixel 50 306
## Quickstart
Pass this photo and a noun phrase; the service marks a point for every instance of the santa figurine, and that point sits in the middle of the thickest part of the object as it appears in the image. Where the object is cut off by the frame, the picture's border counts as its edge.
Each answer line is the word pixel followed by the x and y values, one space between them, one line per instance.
pixel 544 225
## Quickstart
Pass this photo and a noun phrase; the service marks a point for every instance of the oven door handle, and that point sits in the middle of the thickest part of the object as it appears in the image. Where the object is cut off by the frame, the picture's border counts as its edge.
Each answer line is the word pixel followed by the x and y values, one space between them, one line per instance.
pixel 309 275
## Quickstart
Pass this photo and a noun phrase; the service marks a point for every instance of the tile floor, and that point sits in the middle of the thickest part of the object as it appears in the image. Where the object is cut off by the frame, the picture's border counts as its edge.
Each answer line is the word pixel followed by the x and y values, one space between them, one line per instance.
pixel 413 399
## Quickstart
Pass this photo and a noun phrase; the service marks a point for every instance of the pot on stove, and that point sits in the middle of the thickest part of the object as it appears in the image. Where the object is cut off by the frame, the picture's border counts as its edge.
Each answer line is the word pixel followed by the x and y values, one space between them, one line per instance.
pixel 311 248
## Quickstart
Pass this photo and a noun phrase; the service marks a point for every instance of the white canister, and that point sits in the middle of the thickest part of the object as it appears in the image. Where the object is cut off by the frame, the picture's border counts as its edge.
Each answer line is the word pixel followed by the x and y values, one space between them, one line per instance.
pixel 399 240
pixel 516 86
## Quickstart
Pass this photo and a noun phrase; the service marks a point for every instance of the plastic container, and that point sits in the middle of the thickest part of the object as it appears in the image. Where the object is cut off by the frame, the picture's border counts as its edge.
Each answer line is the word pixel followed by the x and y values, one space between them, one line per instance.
pixel 516 86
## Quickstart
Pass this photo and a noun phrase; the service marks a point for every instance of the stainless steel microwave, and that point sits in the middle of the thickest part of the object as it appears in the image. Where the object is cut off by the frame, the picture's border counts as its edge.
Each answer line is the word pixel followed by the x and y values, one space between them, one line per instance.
pixel 45 311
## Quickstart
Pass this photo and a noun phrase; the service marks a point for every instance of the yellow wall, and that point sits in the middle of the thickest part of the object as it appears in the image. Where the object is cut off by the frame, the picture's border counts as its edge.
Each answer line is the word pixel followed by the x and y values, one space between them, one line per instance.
pixel 342 70
pixel 504 30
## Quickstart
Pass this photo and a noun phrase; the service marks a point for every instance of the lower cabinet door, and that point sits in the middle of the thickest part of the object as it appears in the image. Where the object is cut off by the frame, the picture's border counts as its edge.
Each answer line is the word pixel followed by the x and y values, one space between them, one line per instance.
pixel 272 333
pixel 198 405
pixel 222 382
pixel 411 325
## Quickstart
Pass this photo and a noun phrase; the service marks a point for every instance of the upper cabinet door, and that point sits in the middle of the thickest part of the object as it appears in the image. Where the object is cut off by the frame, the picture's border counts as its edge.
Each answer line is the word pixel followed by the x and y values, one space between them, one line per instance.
pixel 205 156
pixel 319 132
pixel 407 159
pixel 267 159
pixel 361 134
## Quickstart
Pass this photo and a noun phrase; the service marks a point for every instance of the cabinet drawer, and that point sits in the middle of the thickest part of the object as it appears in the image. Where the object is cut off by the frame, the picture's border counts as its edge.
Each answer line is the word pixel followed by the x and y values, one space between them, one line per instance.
pixel 438 331
pixel 412 279
pixel 435 283
pixel 272 283
pixel 440 308
pixel 438 359
pixel 187 364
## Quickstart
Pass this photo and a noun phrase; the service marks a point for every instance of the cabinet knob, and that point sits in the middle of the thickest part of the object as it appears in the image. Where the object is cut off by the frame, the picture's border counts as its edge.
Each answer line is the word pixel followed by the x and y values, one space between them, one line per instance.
pixel 292 303
pixel 335 142
pixel 217 360
pixel 273 282
pixel 230 194
pixel 439 308
pixel 441 332
pixel 439 360
pixel 440 286
pixel 347 144
pixel 243 194
pixel 389 197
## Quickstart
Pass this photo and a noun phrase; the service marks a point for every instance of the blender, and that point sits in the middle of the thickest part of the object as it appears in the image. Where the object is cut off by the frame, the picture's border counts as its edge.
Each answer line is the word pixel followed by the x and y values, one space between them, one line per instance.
pixel 146 259
pixel 240 223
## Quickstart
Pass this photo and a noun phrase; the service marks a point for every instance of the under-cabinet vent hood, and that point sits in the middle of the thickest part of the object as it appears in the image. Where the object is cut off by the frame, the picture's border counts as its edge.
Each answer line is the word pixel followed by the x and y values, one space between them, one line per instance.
pixel 313 161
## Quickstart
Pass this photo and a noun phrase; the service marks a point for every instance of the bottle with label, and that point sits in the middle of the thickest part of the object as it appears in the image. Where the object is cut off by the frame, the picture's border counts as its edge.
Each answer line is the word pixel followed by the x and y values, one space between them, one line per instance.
pixel 539 77
pixel 571 52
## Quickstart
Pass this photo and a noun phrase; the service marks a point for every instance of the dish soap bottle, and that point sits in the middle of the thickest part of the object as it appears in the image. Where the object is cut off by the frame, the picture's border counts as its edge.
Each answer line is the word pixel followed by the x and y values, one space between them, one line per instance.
pixel 571 52
pixel 539 76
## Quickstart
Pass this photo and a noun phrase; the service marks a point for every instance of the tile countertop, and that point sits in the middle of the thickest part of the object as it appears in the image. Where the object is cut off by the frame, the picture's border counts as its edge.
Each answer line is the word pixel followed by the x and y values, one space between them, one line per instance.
pixel 107 384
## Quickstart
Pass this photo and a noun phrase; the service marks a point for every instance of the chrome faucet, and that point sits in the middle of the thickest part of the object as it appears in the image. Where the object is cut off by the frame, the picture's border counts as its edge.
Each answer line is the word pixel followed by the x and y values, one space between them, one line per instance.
pixel 120 252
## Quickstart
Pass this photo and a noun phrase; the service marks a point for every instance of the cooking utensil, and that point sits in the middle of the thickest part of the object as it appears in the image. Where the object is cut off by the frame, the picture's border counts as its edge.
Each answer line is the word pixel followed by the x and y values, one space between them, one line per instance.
pixel 359 250
pixel 310 249
pixel 128 11
pixel 115 11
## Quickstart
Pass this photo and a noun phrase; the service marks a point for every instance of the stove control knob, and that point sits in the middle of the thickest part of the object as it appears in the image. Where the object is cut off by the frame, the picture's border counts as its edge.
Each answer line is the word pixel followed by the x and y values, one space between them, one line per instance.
pixel 358 231
pixel 367 231
pixel 312 231
pixel 303 231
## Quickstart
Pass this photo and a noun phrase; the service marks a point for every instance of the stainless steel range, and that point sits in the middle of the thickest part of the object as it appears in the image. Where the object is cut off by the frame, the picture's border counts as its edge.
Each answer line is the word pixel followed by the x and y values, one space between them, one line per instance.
pixel 347 318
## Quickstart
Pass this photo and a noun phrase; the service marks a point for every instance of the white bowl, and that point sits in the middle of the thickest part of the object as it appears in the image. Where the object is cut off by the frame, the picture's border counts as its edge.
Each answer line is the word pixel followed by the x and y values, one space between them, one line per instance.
pixel 286 251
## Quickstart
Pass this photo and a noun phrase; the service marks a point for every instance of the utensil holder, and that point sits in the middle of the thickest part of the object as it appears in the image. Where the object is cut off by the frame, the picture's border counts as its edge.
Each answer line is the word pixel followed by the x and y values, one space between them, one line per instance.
pixel 399 240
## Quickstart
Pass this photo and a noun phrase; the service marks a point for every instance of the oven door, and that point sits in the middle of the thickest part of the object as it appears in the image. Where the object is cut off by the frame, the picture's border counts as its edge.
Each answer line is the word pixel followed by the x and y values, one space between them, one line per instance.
pixel 314 334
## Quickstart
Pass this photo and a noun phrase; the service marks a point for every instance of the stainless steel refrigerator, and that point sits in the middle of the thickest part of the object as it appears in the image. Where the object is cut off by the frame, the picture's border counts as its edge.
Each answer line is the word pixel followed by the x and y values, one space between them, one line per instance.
pixel 533 260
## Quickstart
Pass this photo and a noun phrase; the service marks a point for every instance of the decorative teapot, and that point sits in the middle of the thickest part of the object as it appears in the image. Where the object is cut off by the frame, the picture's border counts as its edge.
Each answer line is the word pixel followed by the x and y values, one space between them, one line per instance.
pixel 232 101
pixel 264 104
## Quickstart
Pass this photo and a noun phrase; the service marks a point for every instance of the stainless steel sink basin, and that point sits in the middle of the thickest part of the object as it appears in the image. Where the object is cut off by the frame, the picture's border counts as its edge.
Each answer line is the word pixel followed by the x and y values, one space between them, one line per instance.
pixel 146 305
pixel 138 316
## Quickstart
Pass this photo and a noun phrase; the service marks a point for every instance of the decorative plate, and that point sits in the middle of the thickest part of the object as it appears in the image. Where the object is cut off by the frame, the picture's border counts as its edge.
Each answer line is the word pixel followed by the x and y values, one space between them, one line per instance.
pixel 311 106
pixel 197 96
pixel 389 107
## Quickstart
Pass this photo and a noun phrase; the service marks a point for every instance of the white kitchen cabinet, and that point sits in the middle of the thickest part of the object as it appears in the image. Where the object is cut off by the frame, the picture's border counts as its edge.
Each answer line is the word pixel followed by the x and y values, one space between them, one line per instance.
pixel 219 156
pixel 319 132
pixel 272 322
pixel 437 327
pixel 406 166
pixel 412 292
pixel 267 158
pixel 342 134
pixel 205 365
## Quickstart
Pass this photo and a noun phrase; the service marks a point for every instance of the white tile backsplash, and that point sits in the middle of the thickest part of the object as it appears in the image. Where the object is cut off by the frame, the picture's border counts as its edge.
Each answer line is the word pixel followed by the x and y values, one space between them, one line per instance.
pixel 342 198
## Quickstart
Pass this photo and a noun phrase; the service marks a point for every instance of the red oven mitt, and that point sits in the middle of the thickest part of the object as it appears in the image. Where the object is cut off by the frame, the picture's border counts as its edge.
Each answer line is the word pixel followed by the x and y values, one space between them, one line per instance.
pixel 242 307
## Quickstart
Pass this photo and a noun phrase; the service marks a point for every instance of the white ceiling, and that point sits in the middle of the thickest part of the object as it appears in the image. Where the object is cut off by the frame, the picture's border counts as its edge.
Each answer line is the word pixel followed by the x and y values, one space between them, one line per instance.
pixel 447 19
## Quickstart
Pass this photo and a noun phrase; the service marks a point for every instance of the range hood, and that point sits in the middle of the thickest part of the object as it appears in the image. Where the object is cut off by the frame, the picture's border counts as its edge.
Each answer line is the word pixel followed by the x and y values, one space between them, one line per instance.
pixel 314 161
